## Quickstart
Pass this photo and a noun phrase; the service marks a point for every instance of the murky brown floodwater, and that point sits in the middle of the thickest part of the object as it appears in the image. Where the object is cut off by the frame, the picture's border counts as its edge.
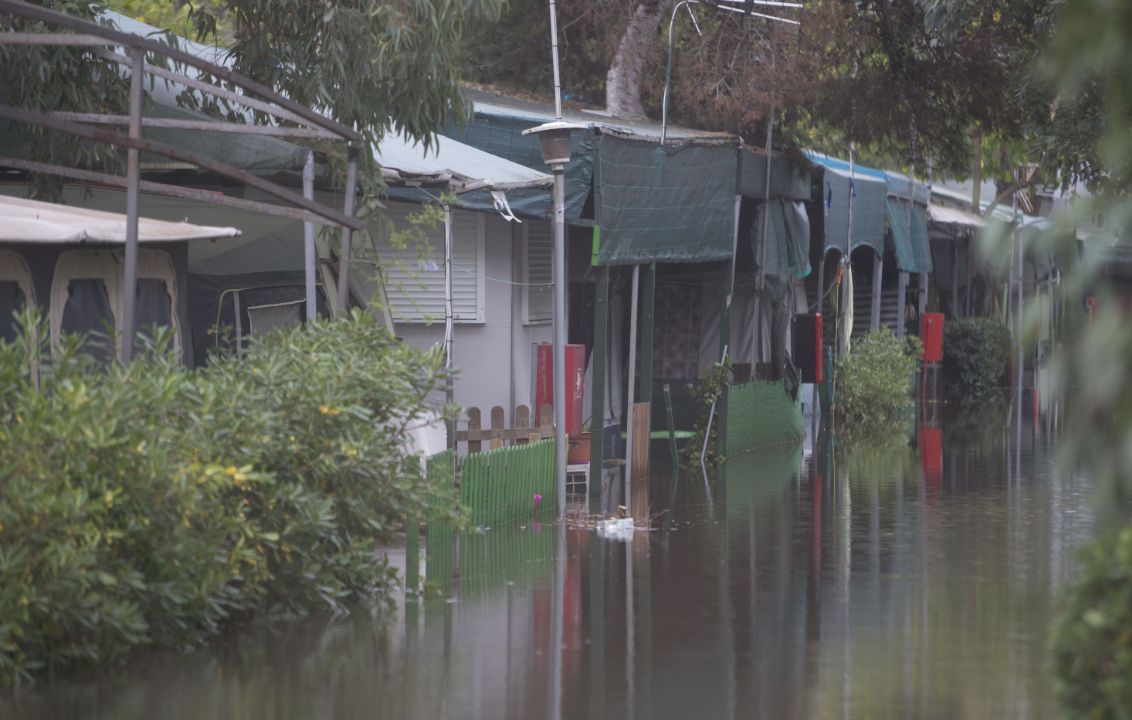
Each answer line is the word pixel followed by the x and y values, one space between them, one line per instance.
pixel 862 583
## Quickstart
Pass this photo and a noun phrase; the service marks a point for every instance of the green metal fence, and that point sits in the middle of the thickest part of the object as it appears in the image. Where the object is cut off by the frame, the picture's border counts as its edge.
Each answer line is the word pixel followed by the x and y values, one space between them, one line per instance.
pixel 500 486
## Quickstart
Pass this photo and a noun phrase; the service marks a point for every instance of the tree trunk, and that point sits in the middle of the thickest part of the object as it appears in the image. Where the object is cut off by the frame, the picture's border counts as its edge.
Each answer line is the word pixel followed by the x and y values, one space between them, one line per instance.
pixel 623 81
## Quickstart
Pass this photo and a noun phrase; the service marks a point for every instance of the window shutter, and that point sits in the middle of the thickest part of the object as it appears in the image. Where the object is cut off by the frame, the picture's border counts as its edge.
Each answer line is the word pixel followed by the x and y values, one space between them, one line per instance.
pixel 539 252
pixel 415 276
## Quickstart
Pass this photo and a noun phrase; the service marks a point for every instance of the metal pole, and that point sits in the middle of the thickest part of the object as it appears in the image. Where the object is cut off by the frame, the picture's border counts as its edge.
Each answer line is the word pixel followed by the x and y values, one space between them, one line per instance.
pixel 760 278
pixel 1018 318
pixel 133 182
pixel 558 622
pixel 449 328
pixel 560 335
pixel 597 393
pixel 632 388
pixel 347 232
pixel 310 267
pixel 554 60
pixel 878 281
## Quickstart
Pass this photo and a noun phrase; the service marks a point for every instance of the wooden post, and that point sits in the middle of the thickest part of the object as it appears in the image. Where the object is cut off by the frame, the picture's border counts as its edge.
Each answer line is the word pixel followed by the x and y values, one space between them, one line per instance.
pixel 498 426
pixel 474 446
pixel 597 380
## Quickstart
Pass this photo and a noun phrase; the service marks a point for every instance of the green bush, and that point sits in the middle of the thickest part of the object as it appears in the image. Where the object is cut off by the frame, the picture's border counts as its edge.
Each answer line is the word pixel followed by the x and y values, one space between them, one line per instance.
pixel 976 356
pixel 150 505
pixel 874 382
pixel 1092 643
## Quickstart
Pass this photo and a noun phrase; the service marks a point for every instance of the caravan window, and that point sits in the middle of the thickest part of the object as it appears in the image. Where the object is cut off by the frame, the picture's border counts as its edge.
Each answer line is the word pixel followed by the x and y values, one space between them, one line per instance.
pixel 12 301
pixel 16 291
pixel 87 311
pixel 414 272
pixel 153 307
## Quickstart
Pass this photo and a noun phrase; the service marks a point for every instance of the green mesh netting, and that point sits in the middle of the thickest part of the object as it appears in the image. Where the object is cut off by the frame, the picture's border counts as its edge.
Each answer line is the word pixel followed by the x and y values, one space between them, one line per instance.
pixel 909 233
pixel 658 203
pixel 760 414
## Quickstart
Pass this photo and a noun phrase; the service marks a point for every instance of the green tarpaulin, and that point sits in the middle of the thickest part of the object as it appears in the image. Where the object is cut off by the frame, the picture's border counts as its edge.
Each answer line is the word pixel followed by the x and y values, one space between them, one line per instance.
pixel 788 177
pixel 666 204
pixel 788 239
pixel 909 233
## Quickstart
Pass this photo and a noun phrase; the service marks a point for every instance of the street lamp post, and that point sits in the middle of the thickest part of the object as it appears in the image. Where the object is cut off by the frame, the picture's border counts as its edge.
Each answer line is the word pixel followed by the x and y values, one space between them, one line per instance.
pixel 554 142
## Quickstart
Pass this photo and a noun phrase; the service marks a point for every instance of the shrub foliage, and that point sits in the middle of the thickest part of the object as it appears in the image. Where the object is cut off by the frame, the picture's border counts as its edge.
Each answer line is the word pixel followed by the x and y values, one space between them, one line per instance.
pixel 976 356
pixel 150 505
pixel 1092 646
pixel 874 381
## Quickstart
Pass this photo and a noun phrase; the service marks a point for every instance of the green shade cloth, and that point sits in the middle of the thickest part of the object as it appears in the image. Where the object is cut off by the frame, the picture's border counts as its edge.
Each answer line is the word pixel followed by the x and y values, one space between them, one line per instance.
pixel 788 239
pixel 761 414
pixel 909 233
pixel 665 204
pixel 503 136
pixel 788 177
pixel 833 190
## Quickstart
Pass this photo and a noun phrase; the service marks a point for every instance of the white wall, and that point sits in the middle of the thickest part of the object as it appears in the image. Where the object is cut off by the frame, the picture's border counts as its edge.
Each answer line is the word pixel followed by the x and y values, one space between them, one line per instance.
pixel 492 357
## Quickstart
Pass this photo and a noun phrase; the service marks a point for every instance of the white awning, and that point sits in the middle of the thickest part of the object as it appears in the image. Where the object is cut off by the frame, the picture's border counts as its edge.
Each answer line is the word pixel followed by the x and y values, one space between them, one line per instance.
pixel 30 221
pixel 954 216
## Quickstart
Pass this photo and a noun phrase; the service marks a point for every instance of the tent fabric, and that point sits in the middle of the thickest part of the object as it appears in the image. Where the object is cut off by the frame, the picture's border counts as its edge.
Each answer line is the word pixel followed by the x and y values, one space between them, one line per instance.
pixel 788 240
pixel 788 177
pixel 664 204
pixel 869 189
pixel 909 233
pixel 31 221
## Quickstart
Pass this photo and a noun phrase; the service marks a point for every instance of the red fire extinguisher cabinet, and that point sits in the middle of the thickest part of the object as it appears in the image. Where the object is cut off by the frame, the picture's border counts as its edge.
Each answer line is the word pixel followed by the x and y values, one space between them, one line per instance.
pixel 931 333
pixel 575 383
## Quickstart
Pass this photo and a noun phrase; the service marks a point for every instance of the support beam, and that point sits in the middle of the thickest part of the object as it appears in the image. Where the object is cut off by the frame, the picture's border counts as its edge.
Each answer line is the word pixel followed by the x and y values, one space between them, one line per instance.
pixel 630 406
pixel 559 267
pixel 954 276
pixel 878 281
pixel 597 380
pixel 449 327
pixel 310 255
pixel 648 322
pixel 133 180
pixel 922 300
pixel 347 231
pixel 901 301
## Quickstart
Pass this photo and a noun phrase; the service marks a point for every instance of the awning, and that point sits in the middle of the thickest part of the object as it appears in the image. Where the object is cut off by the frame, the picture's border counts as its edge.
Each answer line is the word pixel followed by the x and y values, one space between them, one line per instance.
pixel 909 233
pixel 659 203
pixel 788 241
pixel 942 215
pixel 868 188
pixel 31 221
pixel 789 178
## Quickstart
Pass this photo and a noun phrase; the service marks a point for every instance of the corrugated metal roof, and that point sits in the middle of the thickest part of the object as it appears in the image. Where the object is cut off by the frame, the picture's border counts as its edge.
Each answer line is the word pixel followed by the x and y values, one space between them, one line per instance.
pixel 537 113
pixel 954 216
pixel 461 167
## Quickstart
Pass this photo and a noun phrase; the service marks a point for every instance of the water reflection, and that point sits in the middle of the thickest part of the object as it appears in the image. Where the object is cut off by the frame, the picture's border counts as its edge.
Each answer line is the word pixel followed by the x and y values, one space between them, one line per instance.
pixel 899 580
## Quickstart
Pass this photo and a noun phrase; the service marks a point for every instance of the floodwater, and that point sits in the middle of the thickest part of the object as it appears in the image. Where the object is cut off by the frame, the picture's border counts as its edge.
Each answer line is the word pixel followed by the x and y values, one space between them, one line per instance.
pixel 916 580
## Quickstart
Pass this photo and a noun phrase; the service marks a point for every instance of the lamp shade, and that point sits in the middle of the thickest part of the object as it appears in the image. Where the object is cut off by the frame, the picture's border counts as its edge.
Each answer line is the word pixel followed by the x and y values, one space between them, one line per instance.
pixel 554 141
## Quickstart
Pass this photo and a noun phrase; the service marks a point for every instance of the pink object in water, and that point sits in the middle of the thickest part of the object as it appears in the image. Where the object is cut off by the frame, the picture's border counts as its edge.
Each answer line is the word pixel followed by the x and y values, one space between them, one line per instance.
pixel 538 499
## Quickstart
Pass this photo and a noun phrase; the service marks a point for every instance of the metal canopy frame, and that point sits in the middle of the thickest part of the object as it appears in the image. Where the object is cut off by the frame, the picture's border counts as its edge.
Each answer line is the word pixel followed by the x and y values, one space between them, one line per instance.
pixel 313 125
